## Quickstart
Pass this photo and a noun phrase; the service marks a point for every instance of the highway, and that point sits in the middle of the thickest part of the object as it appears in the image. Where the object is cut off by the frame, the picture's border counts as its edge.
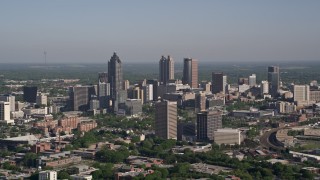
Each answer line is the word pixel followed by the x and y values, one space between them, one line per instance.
pixel 268 140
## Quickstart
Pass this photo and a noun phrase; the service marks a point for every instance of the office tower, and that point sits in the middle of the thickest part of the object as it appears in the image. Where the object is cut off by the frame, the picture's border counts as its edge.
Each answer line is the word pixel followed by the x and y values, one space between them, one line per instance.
pixel 48 175
pixel 200 102
pixel 148 93
pixel 166 69
pixel 301 94
pixel 126 84
pixel 219 83
pixel 103 90
pixel 190 72
pixel 166 120
pixel 274 80
pixel 30 94
pixel 79 97
pixel 115 79
pixel 186 131
pixel 155 84
pixel 4 111
pixel 42 100
pixel 264 87
pixel 9 98
pixel 252 80
pixel 207 123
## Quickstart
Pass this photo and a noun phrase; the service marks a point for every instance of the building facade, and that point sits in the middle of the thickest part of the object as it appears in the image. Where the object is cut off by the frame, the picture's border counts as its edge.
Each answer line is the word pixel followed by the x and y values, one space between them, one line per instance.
pixel 190 72
pixel 166 120
pixel 207 123
pixel 274 80
pixel 219 83
pixel 166 69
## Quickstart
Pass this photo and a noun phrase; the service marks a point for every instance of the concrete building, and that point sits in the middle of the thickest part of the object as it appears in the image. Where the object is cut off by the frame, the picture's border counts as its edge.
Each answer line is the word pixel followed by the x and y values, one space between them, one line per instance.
pixel 286 107
pixel 9 98
pixel 133 107
pixel 155 84
pixel 315 95
pixel 264 87
pixel 5 112
pixel 228 136
pixel 126 84
pixel 274 80
pixel 200 102
pixel 42 100
pixel 219 83
pixel 148 93
pixel 207 123
pixel 190 72
pixel 166 69
pixel 30 94
pixel 81 177
pixel 48 175
pixel 301 94
pixel 166 120
pixel 103 90
pixel 252 80
pixel 80 97
pixel 115 78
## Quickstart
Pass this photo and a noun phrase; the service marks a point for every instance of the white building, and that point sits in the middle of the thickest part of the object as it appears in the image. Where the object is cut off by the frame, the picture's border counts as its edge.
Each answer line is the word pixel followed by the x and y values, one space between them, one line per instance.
pixel 48 175
pixel 42 100
pixel 227 136
pixel 9 98
pixel 5 112
pixel 301 94
pixel 81 177
pixel 264 87
pixel 252 80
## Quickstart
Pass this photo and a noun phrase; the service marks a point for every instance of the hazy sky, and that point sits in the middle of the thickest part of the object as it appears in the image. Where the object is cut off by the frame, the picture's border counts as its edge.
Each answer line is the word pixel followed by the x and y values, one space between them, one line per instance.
pixel 77 31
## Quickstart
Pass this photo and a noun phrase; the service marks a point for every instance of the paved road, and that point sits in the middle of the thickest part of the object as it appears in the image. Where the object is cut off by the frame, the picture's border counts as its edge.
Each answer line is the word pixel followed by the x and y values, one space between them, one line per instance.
pixel 268 140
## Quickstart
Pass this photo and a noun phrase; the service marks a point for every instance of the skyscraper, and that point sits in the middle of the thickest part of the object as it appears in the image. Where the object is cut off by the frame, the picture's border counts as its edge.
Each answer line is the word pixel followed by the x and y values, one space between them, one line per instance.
pixel 79 97
pixel 274 80
pixel 207 123
pixel 190 72
pixel 166 120
pixel 219 83
pixel 4 111
pixel 103 90
pixel 30 94
pixel 166 69
pixel 115 78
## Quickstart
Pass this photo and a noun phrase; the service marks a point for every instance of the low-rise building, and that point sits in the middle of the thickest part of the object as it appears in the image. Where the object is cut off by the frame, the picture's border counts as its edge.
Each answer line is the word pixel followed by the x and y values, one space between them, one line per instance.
pixel 228 136
pixel 48 175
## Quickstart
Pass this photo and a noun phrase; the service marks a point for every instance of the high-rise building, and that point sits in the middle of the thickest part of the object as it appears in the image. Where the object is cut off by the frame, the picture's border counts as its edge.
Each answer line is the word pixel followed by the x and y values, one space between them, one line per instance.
pixel 219 83
pixel 4 111
pixel 115 78
pixel 166 120
pixel 103 90
pixel 252 80
pixel 264 87
pixel 42 100
pixel 155 84
pixel 274 80
pixel 200 102
pixel 9 98
pixel 207 123
pixel 30 94
pixel 126 84
pixel 79 97
pixel 190 72
pixel 301 94
pixel 166 69
pixel 148 93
